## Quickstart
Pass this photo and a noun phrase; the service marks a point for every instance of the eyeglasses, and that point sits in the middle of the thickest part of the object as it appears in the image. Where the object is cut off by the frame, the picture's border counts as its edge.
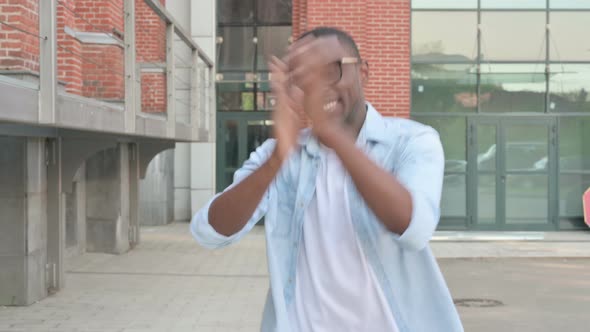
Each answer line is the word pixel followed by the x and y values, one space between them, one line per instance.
pixel 333 71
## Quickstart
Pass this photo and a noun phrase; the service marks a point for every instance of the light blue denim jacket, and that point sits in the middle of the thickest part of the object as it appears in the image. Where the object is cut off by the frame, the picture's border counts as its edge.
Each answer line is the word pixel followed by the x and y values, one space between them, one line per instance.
pixel 404 265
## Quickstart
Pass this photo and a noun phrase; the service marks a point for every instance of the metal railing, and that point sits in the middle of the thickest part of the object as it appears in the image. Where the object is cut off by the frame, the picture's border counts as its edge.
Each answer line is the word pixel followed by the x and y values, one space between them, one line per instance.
pixel 187 111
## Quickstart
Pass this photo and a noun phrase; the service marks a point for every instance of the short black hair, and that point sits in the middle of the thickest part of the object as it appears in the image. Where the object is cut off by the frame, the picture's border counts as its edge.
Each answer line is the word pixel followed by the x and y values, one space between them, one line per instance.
pixel 342 36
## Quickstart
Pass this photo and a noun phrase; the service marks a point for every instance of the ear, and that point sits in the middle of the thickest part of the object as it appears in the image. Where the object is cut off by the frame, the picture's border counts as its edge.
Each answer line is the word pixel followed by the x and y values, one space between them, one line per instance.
pixel 364 72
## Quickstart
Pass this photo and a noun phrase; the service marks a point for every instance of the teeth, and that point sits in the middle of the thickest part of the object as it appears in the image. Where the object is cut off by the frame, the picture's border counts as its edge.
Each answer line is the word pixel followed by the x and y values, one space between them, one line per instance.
pixel 329 107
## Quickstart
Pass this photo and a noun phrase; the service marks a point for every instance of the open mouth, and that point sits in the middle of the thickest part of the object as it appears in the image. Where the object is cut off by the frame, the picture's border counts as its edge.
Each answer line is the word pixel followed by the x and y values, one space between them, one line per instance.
pixel 330 106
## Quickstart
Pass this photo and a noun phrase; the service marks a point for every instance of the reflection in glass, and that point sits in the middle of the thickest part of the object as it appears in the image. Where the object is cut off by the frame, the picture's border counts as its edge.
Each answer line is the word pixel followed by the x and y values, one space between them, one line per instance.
pixel 453 202
pixel 236 38
pixel 443 88
pixel 235 97
pixel 274 11
pixel 271 41
pixel 512 88
pixel 258 132
pixel 235 11
pixel 569 35
pixel 569 88
pixel 571 189
pixel 569 4
pixel 231 143
pixel 453 135
pixel 513 36
pixel 447 4
pixel 574 144
pixel 486 148
pixel 486 199
pixel 526 199
pixel 513 4
pixel 435 39
pixel 526 147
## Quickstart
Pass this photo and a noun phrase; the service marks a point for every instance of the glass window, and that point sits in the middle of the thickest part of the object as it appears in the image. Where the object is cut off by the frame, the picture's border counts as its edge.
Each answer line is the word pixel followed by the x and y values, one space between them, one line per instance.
pixel 454 198
pixel 231 144
pixel 274 11
pixel 237 50
pixel 451 4
pixel 569 88
pixel 443 88
pixel 512 88
pixel 235 96
pixel 574 144
pixel 569 36
pixel 571 189
pixel 271 41
pixel 526 199
pixel 527 147
pixel 235 11
pixel 486 148
pixel 513 4
pixel 444 36
pixel 569 4
pixel 486 199
pixel 453 137
pixel 513 36
pixel 258 132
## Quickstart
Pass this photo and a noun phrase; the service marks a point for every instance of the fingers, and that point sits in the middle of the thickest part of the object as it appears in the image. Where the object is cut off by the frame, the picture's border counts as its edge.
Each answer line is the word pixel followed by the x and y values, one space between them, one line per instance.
pixel 289 97
pixel 307 58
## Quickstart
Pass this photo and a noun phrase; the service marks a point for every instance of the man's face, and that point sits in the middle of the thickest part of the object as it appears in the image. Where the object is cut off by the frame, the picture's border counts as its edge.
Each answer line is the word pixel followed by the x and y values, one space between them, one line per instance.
pixel 343 94
pixel 331 78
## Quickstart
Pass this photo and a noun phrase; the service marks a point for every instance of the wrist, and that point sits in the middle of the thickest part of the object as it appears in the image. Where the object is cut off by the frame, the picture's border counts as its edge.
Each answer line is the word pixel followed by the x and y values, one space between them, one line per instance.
pixel 276 160
pixel 335 137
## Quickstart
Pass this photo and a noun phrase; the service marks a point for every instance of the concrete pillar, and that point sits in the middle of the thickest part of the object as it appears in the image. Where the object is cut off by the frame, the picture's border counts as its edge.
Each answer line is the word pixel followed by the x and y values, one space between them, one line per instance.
pixel 202 174
pixel 108 201
pixel 56 221
pixel 157 191
pixel 133 195
pixel 76 215
pixel 182 180
pixel 202 155
pixel 23 223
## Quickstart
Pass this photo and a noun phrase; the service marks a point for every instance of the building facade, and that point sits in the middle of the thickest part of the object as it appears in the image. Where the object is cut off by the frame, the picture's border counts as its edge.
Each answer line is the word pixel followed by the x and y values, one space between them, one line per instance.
pixel 505 83
pixel 90 93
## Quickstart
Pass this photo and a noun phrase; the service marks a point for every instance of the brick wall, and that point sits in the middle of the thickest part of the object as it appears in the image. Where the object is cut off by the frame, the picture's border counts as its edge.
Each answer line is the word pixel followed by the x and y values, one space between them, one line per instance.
pixel 19 51
pixel 381 29
pixel 91 70
pixel 69 65
pixel 150 37
pixel 106 81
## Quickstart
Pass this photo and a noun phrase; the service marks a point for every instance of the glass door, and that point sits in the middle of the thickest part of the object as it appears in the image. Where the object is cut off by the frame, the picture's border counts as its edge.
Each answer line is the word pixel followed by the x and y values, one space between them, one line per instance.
pixel 512 173
pixel 238 134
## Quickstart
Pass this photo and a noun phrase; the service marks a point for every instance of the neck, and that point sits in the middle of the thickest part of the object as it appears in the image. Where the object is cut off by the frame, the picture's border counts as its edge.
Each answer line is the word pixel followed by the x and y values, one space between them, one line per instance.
pixel 357 118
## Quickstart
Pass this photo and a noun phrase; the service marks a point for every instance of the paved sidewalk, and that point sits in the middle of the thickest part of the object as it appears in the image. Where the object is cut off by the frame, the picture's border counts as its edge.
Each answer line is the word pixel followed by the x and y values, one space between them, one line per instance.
pixel 168 283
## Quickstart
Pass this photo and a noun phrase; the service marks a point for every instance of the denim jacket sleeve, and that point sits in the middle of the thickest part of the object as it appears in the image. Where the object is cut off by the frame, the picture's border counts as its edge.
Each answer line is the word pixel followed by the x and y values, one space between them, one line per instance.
pixel 200 227
pixel 421 171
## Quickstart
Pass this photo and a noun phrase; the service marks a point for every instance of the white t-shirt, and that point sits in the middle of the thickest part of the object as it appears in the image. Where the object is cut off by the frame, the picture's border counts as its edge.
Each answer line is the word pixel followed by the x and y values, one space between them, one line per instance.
pixel 335 287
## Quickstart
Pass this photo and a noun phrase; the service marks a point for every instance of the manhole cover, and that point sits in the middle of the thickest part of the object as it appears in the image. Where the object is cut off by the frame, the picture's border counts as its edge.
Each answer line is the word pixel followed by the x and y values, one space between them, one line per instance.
pixel 478 303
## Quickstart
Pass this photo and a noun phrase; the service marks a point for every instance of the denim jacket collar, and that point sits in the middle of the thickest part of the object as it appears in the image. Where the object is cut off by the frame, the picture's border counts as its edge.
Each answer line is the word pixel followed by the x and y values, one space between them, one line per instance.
pixel 373 131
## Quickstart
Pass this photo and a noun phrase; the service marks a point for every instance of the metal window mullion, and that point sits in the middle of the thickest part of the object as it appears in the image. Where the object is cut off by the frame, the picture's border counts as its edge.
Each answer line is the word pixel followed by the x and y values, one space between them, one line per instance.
pixel 553 171
pixel 47 61
pixel 501 174
pixel 170 81
pixel 547 55
pixel 472 178
pixel 132 106
pixel 255 66
pixel 478 60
